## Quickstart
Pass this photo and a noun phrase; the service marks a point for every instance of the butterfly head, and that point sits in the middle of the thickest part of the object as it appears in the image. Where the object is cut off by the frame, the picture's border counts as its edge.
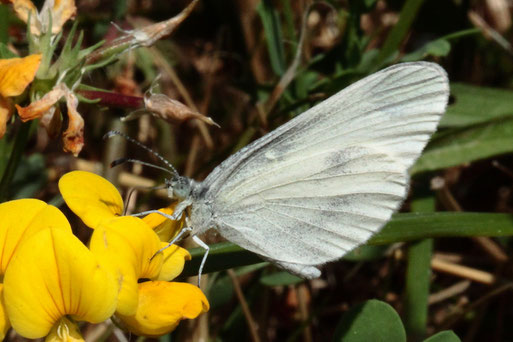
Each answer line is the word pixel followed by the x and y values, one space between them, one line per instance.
pixel 179 187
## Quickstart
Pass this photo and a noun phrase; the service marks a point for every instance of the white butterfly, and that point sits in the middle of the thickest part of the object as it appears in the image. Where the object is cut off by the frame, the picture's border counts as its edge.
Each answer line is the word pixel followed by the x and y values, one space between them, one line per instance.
pixel 323 183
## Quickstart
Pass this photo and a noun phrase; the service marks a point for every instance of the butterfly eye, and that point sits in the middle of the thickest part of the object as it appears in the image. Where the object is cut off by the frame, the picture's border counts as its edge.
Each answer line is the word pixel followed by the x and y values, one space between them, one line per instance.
pixel 180 188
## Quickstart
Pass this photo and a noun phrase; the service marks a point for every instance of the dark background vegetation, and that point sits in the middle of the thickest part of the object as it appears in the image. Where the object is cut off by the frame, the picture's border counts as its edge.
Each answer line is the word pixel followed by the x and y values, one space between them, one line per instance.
pixel 225 61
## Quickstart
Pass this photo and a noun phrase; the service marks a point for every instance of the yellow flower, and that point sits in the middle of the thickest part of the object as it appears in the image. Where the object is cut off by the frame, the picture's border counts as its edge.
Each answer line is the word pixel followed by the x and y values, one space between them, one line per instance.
pixel 166 229
pixel 96 200
pixel 64 331
pixel 163 305
pixel 5 324
pixel 15 75
pixel 53 275
pixel 127 246
pixel 91 197
pixel 20 220
pixel 42 282
pixel 59 10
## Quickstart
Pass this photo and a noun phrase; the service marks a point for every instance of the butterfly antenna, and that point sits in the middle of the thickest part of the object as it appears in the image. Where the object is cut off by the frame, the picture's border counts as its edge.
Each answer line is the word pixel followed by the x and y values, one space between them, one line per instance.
pixel 137 161
pixel 110 134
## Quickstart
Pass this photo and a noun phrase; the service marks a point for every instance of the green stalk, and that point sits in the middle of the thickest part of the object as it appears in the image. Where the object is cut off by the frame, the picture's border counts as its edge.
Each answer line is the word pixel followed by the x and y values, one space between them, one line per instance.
pixel 417 278
pixel 399 31
pixel 402 227
pixel 4 24
pixel 20 143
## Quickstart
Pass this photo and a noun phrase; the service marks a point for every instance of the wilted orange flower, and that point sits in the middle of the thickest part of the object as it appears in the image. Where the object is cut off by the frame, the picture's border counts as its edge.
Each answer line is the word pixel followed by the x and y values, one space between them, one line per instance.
pixel 15 75
pixel 73 137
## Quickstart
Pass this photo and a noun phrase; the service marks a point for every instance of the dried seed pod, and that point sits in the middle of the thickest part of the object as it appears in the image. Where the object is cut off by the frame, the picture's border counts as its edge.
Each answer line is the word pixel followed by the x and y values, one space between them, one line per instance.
pixel 172 111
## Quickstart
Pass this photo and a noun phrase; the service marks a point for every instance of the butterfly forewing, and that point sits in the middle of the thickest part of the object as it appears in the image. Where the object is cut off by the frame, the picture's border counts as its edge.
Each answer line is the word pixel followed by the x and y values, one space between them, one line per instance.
pixel 323 183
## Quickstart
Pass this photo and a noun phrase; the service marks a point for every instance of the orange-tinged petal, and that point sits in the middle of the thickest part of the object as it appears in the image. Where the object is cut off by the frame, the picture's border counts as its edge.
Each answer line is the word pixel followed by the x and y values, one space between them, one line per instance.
pixel 165 228
pixel 4 320
pixel 174 260
pixel 21 219
pixel 52 275
pixel 91 197
pixel 64 331
pixel 126 245
pixel 5 114
pixel 24 9
pixel 17 73
pixel 62 11
pixel 73 137
pixel 38 108
pixel 162 305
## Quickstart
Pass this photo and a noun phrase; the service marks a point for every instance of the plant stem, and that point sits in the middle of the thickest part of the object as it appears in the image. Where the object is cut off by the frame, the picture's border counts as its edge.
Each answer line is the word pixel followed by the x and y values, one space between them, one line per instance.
pixel 20 143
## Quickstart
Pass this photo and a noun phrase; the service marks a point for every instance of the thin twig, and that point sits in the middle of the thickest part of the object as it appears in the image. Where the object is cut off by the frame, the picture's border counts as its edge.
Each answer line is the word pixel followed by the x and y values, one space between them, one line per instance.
pixel 302 292
pixel 160 61
pixel 463 271
pixel 244 305
pixel 489 32
pixel 502 168
pixel 450 257
pixel 289 75
pixel 449 292
pixel 485 243
pixel 482 300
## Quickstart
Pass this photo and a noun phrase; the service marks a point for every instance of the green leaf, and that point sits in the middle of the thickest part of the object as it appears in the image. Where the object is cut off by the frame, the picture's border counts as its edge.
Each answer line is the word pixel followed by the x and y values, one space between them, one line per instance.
pixel 444 336
pixel 221 292
pixel 288 15
pixel 402 227
pixel 272 29
pixel 222 256
pixel 5 52
pixel 239 271
pixel 414 226
pixel 467 145
pixel 280 279
pixel 437 48
pixel 366 253
pixel 369 4
pixel 370 321
pixel 473 105
pixel 30 177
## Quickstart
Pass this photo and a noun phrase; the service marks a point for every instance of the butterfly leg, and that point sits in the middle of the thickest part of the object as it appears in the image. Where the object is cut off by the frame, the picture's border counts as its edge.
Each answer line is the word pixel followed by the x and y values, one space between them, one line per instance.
pixel 177 237
pixel 207 249
pixel 153 211
pixel 177 213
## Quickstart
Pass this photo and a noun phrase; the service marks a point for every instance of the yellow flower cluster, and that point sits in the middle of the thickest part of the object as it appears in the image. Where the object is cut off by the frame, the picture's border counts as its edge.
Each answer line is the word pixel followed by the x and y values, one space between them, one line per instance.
pixel 51 280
